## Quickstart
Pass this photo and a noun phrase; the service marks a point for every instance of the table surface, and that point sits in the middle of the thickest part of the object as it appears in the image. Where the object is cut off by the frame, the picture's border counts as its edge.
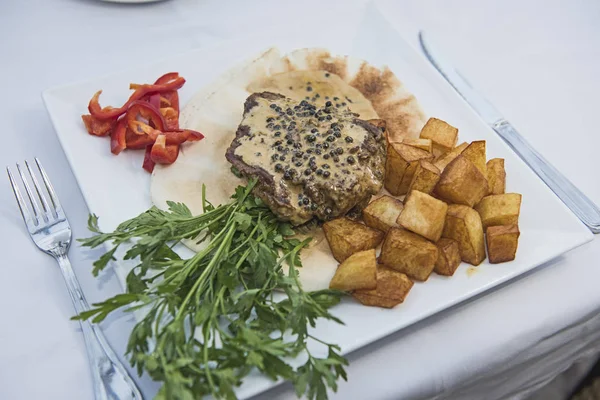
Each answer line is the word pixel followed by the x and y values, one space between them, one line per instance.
pixel 536 61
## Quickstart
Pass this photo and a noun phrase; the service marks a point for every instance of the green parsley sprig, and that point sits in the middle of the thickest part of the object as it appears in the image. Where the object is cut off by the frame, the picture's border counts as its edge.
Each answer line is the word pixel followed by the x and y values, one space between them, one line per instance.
pixel 214 317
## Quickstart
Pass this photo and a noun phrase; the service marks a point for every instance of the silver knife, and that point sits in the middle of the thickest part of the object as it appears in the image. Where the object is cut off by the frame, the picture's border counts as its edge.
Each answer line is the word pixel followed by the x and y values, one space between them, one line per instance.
pixel 573 198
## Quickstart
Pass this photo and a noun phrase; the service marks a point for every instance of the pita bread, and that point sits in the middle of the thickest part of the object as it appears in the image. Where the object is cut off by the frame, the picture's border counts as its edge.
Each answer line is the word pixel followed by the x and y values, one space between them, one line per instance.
pixel 217 110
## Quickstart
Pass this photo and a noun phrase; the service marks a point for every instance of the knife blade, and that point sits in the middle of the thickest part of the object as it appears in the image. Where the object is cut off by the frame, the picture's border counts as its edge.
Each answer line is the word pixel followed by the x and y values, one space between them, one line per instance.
pixel 573 198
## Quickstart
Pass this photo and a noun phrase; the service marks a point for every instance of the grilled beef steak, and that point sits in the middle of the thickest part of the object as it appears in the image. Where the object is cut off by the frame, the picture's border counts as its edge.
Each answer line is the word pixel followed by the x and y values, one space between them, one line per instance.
pixel 309 161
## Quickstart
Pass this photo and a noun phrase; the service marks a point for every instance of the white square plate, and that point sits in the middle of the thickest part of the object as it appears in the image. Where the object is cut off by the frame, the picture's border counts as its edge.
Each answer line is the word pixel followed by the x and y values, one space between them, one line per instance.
pixel 117 188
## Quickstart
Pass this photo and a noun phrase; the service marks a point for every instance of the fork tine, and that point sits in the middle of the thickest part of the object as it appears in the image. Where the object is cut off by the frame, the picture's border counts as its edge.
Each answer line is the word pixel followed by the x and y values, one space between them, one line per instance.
pixel 49 187
pixel 39 192
pixel 34 204
pixel 20 201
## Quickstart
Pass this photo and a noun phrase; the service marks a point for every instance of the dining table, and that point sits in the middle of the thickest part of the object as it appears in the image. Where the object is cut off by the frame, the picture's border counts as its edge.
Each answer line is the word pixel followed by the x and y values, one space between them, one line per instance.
pixel 537 61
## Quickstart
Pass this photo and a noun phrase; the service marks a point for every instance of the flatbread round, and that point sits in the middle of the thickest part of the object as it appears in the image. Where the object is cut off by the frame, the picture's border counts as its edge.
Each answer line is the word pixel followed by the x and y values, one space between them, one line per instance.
pixel 217 110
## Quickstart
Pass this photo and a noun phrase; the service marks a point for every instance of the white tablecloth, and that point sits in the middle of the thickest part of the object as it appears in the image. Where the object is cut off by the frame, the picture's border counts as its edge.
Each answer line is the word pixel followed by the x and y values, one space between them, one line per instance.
pixel 537 61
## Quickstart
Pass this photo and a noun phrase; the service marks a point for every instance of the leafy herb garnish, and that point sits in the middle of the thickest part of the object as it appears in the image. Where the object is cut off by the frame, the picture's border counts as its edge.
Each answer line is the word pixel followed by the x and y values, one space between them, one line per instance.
pixel 214 317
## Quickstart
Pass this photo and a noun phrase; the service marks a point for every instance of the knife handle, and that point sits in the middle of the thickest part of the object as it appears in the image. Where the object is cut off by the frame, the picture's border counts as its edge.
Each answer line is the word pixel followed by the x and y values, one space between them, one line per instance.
pixel 573 198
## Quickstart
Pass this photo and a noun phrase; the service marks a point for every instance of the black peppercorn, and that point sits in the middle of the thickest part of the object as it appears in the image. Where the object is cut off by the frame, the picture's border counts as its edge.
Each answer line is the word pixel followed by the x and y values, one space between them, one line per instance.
pixel 349 139
pixel 278 167
pixel 350 160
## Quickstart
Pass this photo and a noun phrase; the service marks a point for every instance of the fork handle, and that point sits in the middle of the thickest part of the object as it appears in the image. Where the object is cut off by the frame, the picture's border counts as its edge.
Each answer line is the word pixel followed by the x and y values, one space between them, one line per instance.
pixel 579 203
pixel 111 380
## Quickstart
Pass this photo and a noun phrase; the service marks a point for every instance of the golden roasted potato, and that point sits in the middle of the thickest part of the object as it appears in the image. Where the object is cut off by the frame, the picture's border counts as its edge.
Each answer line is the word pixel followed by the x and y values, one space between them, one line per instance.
pixel 496 176
pixel 423 144
pixel 463 224
pixel 475 152
pixel 359 271
pixel 400 166
pixel 346 237
pixel 502 243
pixel 448 258
pixel 445 159
pixel 461 183
pixel 425 178
pixel 442 134
pixel 392 289
pixel 423 215
pixel 409 253
pixel 382 213
pixel 499 209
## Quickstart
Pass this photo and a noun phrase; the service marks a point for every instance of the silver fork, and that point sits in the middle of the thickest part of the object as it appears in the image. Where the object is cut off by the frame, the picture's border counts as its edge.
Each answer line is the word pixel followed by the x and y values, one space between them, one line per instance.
pixel 50 231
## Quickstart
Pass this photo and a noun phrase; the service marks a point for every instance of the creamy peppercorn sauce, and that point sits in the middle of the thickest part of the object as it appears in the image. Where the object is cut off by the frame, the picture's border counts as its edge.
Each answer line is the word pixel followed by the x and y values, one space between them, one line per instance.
pixel 314 157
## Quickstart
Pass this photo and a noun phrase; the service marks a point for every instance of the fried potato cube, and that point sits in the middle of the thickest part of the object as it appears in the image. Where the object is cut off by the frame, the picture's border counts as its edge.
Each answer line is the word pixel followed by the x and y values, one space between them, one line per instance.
pixel 475 152
pixel 502 243
pixel 392 289
pixel 499 209
pixel 424 215
pixel 448 258
pixel 382 213
pixel 463 224
pixel 409 253
pixel 496 176
pixel 419 143
pixel 442 134
pixel 346 237
pixel 442 161
pixel 400 166
pixel 359 271
pixel 425 178
pixel 461 183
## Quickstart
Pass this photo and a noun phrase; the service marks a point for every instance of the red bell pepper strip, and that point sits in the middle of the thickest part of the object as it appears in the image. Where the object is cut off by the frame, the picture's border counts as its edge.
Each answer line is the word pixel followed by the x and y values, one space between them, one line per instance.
pixel 138 142
pixel 146 111
pixel 171 97
pixel 182 135
pixel 148 164
pixel 97 127
pixel 168 77
pixel 154 100
pixel 141 91
pixel 118 141
pixel 163 153
pixel 171 117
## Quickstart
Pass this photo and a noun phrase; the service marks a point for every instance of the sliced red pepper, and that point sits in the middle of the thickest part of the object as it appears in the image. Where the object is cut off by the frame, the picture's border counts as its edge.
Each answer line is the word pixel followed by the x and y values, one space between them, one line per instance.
pixel 147 112
pixel 182 135
pixel 138 142
pixel 168 77
pixel 171 117
pixel 171 98
pixel 163 153
pixel 148 164
pixel 141 91
pixel 97 127
pixel 118 141
pixel 155 100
